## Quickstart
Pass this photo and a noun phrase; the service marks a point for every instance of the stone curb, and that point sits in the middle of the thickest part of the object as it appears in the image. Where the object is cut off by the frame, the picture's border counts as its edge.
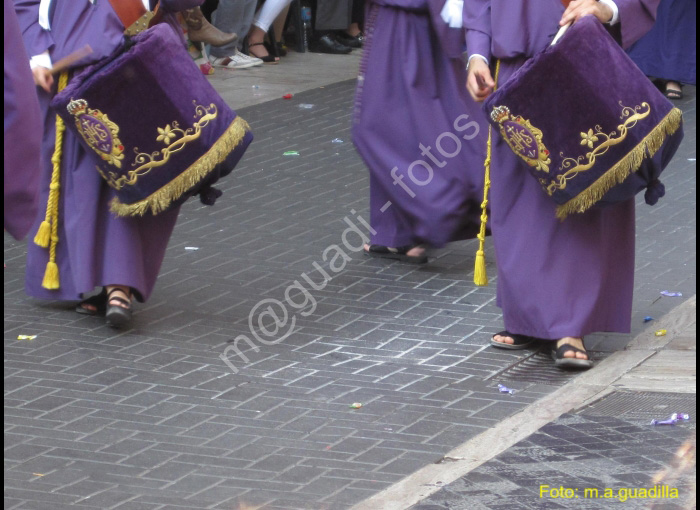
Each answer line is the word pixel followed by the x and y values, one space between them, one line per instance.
pixel 584 389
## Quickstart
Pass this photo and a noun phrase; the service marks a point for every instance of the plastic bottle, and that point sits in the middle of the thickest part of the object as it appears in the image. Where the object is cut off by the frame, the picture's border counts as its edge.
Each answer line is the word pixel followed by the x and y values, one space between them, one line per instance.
pixel 306 23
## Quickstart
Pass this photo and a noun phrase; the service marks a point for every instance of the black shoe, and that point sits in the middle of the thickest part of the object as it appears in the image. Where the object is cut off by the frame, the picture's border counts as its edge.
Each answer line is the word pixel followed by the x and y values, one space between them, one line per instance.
pixel 349 40
pixel 326 44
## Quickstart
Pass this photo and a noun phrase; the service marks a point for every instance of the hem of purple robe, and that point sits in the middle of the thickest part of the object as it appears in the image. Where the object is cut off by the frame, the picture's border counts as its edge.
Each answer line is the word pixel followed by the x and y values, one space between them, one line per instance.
pixel 555 335
pixel 58 295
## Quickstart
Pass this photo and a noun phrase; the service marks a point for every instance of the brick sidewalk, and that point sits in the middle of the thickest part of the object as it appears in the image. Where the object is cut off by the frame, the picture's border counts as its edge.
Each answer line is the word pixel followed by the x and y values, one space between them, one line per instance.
pixel 151 418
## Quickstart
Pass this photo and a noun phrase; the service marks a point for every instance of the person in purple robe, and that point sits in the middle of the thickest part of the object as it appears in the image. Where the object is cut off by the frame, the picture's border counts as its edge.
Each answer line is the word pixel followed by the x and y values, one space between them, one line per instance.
pixel 23 130
pixel 414 128
pixel 94 247
pixel 557 281
pixel 667 52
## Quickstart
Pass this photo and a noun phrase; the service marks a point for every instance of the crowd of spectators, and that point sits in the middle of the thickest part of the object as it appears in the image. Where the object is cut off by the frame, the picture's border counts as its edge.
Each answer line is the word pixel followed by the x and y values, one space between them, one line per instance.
pixel 239 34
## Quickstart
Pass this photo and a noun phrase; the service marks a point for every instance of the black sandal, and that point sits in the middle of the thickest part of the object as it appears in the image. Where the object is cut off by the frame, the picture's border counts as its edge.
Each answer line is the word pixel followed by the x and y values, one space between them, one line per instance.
pixel 673 93
pixel 519 341
pixel 118 316
pixel 99 301
pixel 267 59
pixel 400 253
pixel 577 363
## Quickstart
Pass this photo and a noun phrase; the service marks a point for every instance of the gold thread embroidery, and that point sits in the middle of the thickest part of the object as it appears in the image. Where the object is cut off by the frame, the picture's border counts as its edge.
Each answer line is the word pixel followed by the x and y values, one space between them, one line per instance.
pixel 170 132
pixel 630 163
pixel 523 138
pixel 574 166
pixel 100 133
pixel 161 199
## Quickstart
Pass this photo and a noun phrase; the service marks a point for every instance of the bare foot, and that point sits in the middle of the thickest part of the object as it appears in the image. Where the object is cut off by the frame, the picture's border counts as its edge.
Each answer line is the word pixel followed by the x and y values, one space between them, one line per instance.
pixel 501 339
pixel 574 342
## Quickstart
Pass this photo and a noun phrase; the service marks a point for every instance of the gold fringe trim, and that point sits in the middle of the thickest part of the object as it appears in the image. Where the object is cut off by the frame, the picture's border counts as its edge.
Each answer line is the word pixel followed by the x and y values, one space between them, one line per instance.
pixel 623 168
pixel 160 200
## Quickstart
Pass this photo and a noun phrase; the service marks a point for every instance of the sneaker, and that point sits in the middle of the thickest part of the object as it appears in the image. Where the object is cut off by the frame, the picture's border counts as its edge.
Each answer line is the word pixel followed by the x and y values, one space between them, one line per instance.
pixel 236 61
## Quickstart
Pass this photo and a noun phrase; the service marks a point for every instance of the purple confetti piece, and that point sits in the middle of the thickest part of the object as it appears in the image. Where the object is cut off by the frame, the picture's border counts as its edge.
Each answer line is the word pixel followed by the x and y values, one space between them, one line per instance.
pixel 675 418
pixel 504 389
pixel 669 293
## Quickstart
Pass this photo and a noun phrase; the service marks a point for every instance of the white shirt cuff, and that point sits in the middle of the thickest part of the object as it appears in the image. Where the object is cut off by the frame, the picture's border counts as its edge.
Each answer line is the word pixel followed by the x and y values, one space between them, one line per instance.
pixel 616 12
pixel 43 60
pixel 477 56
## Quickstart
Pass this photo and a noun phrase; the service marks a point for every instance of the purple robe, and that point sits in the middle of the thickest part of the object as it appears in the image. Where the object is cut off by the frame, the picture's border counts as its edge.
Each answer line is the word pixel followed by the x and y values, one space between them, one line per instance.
pixel 668 50
pixel 95 248
pixel 412 113
pixel 555 279
pixel 22 133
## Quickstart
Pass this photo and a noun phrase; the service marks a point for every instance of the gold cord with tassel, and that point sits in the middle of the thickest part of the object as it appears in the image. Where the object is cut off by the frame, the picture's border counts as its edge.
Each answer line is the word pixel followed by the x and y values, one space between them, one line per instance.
pixel 47 235
pixel 480 277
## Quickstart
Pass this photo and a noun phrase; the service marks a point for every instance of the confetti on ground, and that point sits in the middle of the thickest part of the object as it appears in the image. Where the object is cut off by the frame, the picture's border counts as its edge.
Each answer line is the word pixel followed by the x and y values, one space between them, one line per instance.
pixel 305 106
pixel 675 418
pixel 661 332
pixel 648 318
pixel 505 389
pixel 26 337
pixel 336 140
pixel 256 86
pixel 356 405
pixel 669 293
pixel 287 96
pixel 38 474
pixel 192 248
pixel 291 153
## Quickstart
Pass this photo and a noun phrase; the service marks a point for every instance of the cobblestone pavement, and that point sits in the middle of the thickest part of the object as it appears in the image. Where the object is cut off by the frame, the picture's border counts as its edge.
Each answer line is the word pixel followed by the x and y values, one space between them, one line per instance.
pixel 604 455
pixel 151 418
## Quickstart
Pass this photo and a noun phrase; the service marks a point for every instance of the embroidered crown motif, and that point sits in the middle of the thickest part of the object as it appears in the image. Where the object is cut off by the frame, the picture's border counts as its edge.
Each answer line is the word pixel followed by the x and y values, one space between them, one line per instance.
pixel 500 113
pixel 77 106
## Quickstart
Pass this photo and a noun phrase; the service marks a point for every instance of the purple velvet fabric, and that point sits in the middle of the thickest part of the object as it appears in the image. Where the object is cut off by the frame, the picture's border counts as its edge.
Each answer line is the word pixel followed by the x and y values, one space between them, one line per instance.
pixel 95 248
pixel 555 278
pixel 582 85
pixel 22 155
pixel 410 95
pixel 160 87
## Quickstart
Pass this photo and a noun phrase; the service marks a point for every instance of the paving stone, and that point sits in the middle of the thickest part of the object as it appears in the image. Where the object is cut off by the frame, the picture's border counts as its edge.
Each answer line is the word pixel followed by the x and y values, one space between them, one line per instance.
pixel 155 419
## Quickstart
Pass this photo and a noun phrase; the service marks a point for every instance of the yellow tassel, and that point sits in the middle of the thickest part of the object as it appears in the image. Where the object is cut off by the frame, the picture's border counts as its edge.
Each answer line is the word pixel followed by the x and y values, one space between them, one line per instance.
pixel 51 280
pixel 47 235
pixel 43 235
pixel 480 277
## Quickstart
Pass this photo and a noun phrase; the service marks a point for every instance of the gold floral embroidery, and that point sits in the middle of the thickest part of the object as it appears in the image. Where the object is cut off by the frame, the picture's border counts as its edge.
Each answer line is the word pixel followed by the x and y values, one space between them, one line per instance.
pixel 600 142
pixel 144 162
pixel 588 138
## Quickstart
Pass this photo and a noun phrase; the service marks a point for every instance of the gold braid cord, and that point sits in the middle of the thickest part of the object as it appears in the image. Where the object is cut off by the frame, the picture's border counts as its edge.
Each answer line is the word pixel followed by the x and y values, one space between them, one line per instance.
pixel 47 235
pixel 480 277
pixel 161 199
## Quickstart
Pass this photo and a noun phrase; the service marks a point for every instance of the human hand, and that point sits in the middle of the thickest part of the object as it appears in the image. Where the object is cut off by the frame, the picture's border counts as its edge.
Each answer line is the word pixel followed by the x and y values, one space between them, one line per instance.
pixel 43 78
pixel 480 83
pixel 577 9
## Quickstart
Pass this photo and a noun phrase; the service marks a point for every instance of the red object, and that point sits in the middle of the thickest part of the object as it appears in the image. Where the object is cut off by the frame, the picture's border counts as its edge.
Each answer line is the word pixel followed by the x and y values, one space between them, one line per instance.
pixel 287 96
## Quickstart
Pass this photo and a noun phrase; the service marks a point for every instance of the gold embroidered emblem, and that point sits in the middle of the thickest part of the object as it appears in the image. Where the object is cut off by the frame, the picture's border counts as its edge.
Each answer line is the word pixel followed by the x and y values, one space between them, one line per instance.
pixel 175 139
pixel 600 143
pixel 522 137
pixel 100 133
